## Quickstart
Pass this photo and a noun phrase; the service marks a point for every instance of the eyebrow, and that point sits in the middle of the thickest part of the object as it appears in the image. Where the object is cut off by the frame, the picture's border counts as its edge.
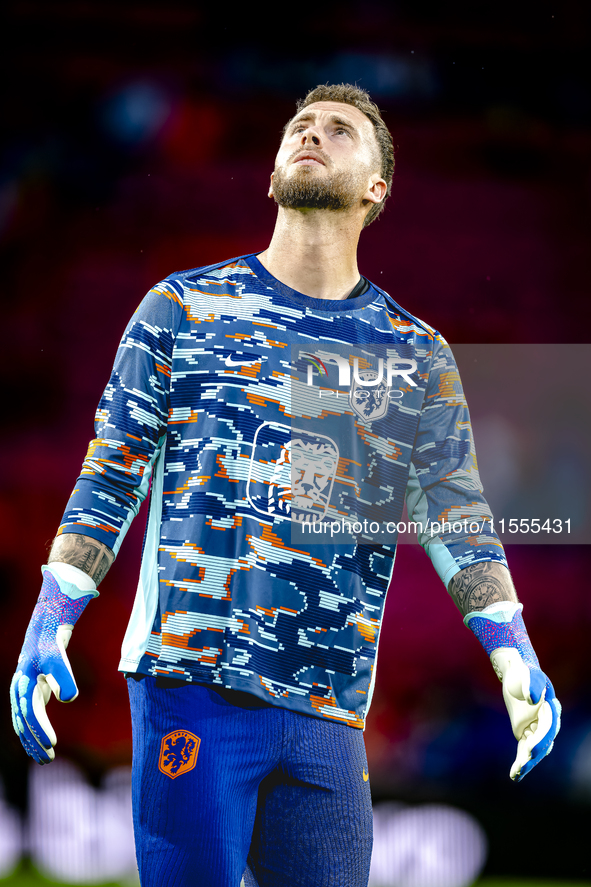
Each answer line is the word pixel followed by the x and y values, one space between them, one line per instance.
pixel 334 118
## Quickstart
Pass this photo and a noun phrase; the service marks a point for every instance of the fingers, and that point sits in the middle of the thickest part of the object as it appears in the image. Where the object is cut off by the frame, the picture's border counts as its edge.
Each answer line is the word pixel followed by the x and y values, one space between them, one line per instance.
pixel 533 710
pixel 537 686
pixel 532 736
pixel 43 669
pixel 61 676
pixel 29 694
pixel 61 681
pixel 538 739
pixel 522 712
pixel 28 699
pixel 518 768
pixel 42 725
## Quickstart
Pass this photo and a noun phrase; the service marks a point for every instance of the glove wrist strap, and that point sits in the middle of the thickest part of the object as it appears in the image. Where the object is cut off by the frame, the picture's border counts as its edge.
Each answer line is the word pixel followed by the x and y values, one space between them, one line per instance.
pixel 72 581
pixel 501 611
pixel 501 625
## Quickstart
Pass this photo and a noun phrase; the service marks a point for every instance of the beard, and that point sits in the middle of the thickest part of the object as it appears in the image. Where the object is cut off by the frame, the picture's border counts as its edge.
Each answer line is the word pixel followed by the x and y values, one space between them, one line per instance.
pixel 305 190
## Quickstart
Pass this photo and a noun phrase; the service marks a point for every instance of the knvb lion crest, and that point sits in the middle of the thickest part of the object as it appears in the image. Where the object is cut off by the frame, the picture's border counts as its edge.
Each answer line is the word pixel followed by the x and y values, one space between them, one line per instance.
pixel 178 753
pixel 369 396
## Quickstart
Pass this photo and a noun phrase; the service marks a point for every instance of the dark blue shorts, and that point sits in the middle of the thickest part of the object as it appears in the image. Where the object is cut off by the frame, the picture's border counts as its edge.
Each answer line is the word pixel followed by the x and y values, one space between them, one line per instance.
pixel 220 778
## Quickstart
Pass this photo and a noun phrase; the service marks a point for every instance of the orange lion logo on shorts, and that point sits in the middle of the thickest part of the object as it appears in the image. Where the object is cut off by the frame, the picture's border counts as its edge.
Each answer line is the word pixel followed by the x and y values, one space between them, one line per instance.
pixel 178 753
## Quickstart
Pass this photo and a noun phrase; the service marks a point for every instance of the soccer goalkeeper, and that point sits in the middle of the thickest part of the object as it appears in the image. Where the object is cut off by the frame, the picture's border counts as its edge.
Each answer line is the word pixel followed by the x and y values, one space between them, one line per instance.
pixel 264 398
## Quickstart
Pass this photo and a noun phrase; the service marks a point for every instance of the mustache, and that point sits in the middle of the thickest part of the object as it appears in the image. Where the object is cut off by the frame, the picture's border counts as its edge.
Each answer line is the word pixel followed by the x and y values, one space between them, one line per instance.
pixel 314 152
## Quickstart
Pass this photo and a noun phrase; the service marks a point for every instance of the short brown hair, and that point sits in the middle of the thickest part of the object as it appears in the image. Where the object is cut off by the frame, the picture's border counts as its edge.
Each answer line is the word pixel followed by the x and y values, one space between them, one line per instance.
pixel 360 99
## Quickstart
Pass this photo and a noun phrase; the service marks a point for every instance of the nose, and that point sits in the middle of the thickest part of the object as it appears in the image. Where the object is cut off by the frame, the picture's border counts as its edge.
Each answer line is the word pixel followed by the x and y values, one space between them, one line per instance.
pixel 310 135
pixel 307 479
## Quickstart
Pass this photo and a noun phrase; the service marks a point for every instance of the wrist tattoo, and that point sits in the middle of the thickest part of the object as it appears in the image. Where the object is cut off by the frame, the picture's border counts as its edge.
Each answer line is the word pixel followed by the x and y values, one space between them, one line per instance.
pixel 479 585
pixel 83 552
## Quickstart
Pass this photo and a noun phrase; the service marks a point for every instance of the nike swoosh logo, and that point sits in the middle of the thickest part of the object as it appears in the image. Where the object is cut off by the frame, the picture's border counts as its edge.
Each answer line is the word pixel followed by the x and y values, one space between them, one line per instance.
pixel 242 363
pixel 365 775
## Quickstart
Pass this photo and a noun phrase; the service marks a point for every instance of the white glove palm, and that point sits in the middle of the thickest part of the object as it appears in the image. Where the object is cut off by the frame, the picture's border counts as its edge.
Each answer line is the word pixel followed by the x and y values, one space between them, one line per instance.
pixel 533 709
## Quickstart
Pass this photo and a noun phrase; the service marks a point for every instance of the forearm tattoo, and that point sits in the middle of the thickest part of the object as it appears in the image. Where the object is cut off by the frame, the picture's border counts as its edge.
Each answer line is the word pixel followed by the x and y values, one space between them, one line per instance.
pixel 83 552
pixel 477 586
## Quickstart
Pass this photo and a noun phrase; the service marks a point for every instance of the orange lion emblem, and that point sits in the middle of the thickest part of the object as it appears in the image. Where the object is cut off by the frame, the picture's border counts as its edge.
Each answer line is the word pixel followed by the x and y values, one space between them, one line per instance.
pixel 178 753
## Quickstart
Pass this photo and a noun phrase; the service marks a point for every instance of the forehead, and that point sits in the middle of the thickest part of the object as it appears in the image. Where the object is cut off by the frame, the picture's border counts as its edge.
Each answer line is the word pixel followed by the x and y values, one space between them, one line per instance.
pixel 319 111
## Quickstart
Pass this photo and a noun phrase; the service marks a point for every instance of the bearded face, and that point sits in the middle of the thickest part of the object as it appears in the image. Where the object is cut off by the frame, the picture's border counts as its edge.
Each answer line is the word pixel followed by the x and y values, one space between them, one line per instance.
pixel 306 187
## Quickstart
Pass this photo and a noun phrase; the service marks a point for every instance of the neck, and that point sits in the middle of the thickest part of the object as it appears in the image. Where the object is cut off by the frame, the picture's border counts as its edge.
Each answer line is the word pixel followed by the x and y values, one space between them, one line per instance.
pixel 314 252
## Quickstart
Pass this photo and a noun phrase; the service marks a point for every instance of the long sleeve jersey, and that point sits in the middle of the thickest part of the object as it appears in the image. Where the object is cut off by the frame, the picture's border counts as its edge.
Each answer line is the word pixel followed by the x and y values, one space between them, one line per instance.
pixel 278 436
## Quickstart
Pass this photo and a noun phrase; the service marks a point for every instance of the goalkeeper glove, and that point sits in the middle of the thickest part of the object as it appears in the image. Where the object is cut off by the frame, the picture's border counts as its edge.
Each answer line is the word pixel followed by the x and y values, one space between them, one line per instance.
pixel 534 710
pixel 43 665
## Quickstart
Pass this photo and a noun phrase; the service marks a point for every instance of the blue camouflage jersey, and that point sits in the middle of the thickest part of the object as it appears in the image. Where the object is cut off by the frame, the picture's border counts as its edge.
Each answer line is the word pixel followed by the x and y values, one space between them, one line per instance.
pixel 280 435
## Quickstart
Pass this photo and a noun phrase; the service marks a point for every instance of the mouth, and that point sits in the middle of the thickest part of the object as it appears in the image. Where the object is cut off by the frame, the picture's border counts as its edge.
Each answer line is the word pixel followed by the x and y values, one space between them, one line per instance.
pixel 308 159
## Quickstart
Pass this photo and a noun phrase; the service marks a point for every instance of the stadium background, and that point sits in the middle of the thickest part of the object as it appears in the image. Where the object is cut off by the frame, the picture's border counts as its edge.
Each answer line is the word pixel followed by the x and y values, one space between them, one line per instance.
pixel 138 140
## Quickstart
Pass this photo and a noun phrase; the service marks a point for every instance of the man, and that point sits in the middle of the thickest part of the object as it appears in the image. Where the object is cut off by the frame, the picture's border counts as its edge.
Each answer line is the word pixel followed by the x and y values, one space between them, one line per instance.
pixel 250 650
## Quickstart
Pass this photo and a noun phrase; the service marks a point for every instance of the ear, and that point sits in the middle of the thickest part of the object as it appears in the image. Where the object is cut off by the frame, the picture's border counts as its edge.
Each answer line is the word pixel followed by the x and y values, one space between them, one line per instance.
pixel 270 192
pixel 376 190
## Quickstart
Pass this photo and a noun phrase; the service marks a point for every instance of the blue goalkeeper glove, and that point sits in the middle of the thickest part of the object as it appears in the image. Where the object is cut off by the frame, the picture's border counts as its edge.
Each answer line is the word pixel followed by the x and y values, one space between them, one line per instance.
pixel 43 665
pixel 534 710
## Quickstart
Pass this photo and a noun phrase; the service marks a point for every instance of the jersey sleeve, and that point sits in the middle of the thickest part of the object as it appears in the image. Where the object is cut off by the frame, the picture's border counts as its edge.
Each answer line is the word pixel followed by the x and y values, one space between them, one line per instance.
pixel 130 423
pixel 444 494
